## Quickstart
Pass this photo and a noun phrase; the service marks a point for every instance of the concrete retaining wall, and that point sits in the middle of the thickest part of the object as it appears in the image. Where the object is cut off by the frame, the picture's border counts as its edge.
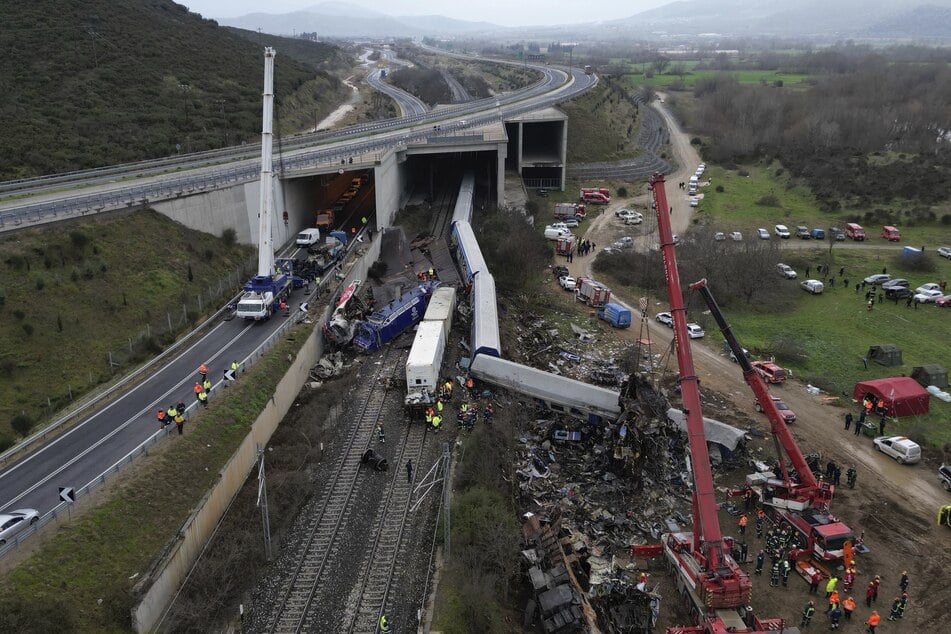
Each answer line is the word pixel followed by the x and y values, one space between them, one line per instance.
pixel 198 528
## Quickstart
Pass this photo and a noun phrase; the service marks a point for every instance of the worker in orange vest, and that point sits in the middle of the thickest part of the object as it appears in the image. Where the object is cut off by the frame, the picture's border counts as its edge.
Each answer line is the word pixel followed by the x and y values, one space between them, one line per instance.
pixel 742 524
pixel 833 601
pixel 203 371
pixel 198 389
pixel 873 622
pixel 162 419
pixel 848 606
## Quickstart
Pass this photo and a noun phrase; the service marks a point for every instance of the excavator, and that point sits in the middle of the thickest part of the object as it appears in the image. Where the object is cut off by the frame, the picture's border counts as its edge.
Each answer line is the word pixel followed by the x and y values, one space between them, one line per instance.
pixel 711 584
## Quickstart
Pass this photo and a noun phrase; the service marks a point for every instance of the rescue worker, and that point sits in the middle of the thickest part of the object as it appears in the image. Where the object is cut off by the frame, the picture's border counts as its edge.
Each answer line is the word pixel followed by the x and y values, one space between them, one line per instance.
pixel 903 582
pixel 181 409
pixel 774 575
pixel 437 421
pixel 902 604
pixel 429 419
pixel 469 383
pixel 206 385
pixel 174 411
pixel 848 607
pixel 384 624
pixel 162 419
pixel 834 616
pixel 876 582
pixel 197 389
pixel 760 518
pixel 439 406
pixel 180 423
pixel 748 498
pixel 833 601
pixel 869 594
pixel 893 614
pixel 744 550
pixel 785 571
pixel 830 585
pixel 873 620
pixel 203 398
pixel 849 579
pixel 235 366
pixel 850 477
pixel 760 560
pixel 742 524
pixel 203 371
pixel 814 584
pixel 807 613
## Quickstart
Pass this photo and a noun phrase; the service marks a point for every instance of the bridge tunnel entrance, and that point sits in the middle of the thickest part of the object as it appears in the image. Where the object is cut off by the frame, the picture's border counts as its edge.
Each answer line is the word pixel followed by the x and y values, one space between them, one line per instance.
pixel 344 200
pixel 432 180
pixel 538 146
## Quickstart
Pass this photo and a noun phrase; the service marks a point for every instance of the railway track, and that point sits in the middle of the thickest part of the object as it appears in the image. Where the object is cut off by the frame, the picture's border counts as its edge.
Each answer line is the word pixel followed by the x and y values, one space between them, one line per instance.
pixel 442 208
pixel 377 574
pixel 324 527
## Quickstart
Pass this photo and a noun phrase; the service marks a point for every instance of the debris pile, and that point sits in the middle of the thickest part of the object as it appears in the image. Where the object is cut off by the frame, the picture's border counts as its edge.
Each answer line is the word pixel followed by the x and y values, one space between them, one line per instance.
pixel 590 492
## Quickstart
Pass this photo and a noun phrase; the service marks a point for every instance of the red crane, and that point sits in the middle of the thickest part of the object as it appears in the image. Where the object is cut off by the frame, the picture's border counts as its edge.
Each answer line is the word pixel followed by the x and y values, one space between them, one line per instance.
pixel 708 578
pixel 803 502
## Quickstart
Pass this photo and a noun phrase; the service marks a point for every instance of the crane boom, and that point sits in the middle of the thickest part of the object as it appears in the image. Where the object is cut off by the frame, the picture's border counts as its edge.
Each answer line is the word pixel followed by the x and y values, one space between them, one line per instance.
pixel 706 535
pixel 265 241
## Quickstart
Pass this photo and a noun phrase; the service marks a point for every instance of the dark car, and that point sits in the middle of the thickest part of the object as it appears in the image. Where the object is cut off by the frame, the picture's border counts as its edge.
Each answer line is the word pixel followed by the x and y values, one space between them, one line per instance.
pixel 898 292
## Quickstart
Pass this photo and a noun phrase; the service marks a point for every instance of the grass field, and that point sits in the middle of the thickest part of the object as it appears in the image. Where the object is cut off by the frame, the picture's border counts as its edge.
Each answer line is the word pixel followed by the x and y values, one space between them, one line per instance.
pixel 692 75
pixel 834 330
pixel 601 127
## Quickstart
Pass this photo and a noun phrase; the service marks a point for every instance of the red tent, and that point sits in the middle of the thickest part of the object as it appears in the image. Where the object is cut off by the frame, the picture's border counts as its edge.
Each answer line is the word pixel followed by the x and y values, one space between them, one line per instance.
pixel 903 395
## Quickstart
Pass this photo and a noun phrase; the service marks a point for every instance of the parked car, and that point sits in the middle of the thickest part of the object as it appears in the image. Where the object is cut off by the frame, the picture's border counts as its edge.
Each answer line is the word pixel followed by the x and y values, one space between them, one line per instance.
pixel 719 236
pixel 560 271
pixel 629 214
pixel 930 286
pixel 836 234
pixel 812 286
pixel 944 472
pixel 567 282
pixel 624 243
pixel 553 233
pixel 788 415
pixel 736 236
pixel 770 372
pixel 898 281
pixel 694 201
pixel 694 331
pixel 781 231
pixel 571 223
pixel 802 232
pixel 818 234
pixel 901 448
pixel 898 292
pixel 786 271
pixel 12 523
pixel 943 302
pixel 890 233
pixel 622 211
pixel 878 278
pixel 665 318
pixel 928 296
pixel 762 234
pixel 945 252
pixel 634 219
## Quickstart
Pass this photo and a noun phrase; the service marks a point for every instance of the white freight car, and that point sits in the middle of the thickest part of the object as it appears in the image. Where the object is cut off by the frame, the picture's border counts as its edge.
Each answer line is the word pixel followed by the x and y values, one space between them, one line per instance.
pixel 425 359
pixel 441 306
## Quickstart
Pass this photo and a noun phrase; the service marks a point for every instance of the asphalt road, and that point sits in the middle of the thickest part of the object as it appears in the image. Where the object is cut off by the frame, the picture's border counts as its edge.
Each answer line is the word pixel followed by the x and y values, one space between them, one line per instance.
pixel 79 455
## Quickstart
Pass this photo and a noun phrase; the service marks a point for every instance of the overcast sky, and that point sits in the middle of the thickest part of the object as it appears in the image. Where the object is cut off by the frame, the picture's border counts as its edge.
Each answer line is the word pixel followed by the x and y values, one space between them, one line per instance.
pixel 502 12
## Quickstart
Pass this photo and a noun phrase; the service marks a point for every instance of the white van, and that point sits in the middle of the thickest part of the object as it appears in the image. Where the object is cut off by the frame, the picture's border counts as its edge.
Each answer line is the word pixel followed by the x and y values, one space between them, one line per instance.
pixel 902 449
pixel 692 185
pixel 553 233
pixel 308 237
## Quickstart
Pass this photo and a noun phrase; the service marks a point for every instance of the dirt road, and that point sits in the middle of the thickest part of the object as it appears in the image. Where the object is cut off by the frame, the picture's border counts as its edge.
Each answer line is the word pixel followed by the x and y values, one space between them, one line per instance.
pixel 894 505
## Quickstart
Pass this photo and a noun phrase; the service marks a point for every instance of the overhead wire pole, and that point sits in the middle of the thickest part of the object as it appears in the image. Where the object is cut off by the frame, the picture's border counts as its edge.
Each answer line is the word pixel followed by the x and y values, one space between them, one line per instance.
pixel 262 503
pixel 446 497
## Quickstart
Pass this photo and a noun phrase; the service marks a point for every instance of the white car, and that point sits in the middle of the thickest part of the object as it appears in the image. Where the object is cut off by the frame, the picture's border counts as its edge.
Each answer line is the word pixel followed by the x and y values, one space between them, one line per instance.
pixel 903 450
pixel 945 252
pixel 694 331
pixel 762 234
pixel 632 219
pixel 812 286
pixel 624 243
pixel 928 296
pixel 557 225
pixel 781 231
pixel 13 523
pixel 786 271
pixel 930 286
pixel 571 223
pixel 624 211
pixel 719 236
pixel 665 318
pixel 567 282
pixel 878 278
pixel 694 201
pixel 737 236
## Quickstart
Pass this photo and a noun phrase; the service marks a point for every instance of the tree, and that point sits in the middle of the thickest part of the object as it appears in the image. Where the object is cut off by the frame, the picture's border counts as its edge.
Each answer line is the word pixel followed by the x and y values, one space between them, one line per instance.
pixel 660 65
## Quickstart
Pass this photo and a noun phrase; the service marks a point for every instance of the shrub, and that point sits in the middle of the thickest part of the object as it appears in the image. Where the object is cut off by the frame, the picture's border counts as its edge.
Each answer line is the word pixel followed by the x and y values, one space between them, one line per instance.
pixel 28 329
pixel 787 348
pixel 229 236
pixel 720 189
pixel 40 284
pixel 21 424
pixel 79 239
pixel 622 191
pixel 6 441
pixel 946 219
pixel 769 200
pixel 18 313
pixel 696 141
pixel 918 262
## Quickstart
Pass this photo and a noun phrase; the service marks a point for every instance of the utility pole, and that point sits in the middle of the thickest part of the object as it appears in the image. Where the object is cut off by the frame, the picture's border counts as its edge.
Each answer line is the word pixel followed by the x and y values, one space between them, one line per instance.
pixel 262 503
pixel 446 498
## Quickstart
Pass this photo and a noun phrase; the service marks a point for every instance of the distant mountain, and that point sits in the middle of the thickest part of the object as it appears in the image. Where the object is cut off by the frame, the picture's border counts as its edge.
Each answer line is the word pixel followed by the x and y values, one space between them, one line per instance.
pixel 838 18
pixel 920 22
pixel 339 19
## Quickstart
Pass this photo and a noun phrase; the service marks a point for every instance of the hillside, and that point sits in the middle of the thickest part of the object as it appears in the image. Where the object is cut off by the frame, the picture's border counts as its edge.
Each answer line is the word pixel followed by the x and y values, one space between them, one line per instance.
pixel 98 82
pixel 71 297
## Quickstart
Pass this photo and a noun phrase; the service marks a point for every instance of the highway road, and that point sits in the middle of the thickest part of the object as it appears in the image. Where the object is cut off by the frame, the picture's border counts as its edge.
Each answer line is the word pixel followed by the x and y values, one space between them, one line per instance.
pixel 409 105
pixel 93 445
